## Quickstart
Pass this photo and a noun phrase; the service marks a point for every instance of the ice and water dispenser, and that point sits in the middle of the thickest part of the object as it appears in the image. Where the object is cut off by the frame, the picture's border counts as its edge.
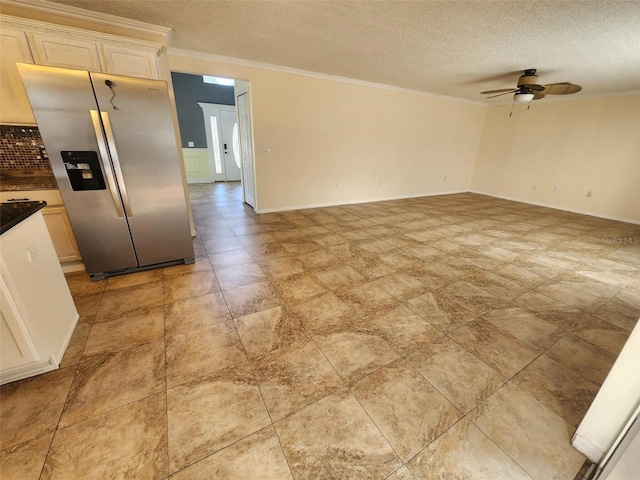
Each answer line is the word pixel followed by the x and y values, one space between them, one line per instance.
pixel 83 169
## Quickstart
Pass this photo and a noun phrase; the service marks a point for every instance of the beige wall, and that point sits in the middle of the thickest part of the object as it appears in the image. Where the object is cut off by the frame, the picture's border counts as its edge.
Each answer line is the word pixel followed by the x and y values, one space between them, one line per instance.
pixel 578 145
pixel 322 131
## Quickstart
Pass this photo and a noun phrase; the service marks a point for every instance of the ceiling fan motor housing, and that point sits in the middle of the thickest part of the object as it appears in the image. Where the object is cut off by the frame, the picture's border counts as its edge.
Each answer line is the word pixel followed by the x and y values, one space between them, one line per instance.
pixel 528 80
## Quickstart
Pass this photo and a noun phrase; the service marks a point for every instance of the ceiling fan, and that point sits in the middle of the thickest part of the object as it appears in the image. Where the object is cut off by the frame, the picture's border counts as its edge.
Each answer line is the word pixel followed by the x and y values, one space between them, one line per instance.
pixel 528 88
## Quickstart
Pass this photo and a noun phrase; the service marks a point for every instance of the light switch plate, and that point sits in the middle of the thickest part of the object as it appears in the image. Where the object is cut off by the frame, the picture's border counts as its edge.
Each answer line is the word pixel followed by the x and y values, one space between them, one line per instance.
pixel 32 253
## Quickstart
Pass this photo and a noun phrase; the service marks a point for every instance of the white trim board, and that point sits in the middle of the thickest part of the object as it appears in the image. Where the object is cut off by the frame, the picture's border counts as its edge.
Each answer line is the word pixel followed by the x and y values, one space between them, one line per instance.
pixel 555 207
pixel 356 202
pixel 57 358
pixel 306 73
pixel 452 192
pixel 179 52
pixel 44 6
pixel 79 33
pixel 216 106
pixel 25 371
pixel 587 448
pixel 199 181
pixel 70 267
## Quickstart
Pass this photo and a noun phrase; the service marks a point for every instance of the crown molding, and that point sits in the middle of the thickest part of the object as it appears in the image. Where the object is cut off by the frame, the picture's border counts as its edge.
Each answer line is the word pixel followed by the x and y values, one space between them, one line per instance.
pixel 323 76
pixel 20 23
pixel 560 98
pixel 44 6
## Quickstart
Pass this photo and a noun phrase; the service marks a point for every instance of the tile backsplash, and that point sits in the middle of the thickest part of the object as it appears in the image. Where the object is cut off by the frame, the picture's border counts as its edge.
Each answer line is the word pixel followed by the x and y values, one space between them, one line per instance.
pixel 24 163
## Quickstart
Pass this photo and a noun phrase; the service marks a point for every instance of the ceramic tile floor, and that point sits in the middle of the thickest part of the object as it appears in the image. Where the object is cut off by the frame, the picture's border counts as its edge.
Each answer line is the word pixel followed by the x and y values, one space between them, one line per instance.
pixel 456 336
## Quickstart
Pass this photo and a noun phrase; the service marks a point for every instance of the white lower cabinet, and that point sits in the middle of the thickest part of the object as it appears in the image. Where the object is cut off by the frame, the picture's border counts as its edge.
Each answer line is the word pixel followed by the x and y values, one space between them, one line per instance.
pixel 37 313
pixel 16 347
pixel 59 226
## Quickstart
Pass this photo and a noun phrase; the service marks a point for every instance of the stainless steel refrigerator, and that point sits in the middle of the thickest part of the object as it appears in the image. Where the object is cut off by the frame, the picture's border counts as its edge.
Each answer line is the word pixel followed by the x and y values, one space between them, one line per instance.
pixel 112 147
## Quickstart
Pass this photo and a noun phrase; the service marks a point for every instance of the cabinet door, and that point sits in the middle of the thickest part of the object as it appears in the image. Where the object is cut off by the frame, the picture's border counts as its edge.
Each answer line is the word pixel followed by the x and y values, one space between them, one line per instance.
pixel 16 346
pixel 58 51
pixel 14 104
pixel 59 226
pixel 130 61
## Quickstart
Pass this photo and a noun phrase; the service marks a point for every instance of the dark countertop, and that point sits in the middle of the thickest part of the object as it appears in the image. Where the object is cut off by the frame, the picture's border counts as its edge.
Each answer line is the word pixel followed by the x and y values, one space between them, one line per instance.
pixel 12 213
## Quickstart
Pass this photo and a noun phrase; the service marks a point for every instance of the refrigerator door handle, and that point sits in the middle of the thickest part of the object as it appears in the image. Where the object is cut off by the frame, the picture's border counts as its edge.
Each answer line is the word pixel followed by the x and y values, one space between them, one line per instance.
pixel 116 163
pixel 104 158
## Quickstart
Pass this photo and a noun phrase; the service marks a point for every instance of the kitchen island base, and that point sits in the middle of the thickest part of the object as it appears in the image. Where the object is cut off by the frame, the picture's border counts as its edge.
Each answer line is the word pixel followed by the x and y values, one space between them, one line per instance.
pixel 37 313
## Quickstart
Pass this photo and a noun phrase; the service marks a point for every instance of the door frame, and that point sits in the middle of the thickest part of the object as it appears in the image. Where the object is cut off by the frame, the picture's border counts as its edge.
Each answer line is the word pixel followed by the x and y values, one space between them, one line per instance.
pixel 209 110
pixel 241 86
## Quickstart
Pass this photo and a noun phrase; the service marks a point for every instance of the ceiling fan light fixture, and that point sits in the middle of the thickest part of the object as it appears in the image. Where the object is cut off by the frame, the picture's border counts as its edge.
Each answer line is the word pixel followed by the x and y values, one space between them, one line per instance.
pixel 522 97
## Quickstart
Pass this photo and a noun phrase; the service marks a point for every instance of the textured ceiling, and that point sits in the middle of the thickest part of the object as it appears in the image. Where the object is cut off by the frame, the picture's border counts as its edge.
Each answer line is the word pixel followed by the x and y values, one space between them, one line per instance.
pixel 453 48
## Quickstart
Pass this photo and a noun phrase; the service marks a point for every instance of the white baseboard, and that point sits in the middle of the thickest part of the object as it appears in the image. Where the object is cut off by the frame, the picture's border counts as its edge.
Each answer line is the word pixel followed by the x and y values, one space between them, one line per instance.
pixel 197 180
pixel 556 207
pixel 57 358
pixel 588 449
pixel 70 267
pixel 40 366
pixel 28 370
pixel 355 202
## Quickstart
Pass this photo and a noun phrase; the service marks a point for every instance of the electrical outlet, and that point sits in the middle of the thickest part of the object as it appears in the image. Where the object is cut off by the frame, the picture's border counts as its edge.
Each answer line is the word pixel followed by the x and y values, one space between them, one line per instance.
pixel 555 189
pixel 191 144
pixel 266 151
pixel 589 193
pixel 534 187
pixel 32 253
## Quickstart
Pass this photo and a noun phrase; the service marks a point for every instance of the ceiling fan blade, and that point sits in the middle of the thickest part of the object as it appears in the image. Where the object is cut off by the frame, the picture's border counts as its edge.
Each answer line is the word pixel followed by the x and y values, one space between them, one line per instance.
pixel 564 88
pixel 504 93
pixel 489 92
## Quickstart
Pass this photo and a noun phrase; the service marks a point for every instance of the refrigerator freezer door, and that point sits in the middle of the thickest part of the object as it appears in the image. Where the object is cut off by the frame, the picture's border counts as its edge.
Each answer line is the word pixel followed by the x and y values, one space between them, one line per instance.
pixel 62 101
pixel 140 132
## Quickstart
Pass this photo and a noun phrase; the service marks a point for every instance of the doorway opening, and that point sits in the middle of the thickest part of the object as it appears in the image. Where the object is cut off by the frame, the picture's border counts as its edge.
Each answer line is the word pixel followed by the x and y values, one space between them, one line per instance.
pixel 215 128
pixel 223 141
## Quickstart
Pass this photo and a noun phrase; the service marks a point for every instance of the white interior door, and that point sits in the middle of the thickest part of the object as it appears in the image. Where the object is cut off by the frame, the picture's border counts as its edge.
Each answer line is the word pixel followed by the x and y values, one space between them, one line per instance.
pixel 230 155
pixel 246 148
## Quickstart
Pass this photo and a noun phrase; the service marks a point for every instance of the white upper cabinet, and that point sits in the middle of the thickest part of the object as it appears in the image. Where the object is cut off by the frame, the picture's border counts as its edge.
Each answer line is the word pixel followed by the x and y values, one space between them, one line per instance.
pixel 95 56
pixel 134 62
pixel 119 58
pixel 30 41
pixel 62 51
pixel 14 103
